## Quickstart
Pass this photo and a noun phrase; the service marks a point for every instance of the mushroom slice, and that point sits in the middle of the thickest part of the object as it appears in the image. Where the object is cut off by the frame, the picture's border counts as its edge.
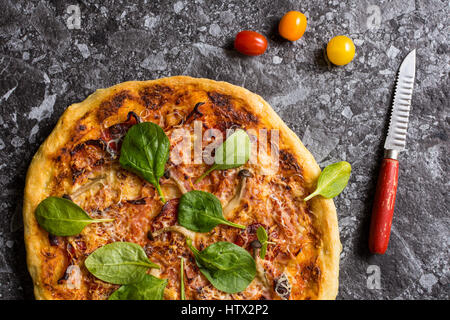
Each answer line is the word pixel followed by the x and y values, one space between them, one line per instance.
pixel 181 230
pixel 260 272
pixel 243 175
pixel 178 182
pixel 282 286
pixel 92 183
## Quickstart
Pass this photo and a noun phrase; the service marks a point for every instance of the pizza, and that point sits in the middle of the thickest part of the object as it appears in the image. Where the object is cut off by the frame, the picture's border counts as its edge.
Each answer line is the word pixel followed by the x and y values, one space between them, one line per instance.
pixel 81 162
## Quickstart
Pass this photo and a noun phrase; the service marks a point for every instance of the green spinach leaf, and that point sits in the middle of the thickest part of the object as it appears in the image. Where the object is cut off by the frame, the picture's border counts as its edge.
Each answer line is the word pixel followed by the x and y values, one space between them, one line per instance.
pixel 150 288
pixel 182 292
pixel 233 153
pixel 332 180
pixel 227 266
pixel 62 217
pixel 201 211
pixel 119 263
pixel 145 151
pixel 261 233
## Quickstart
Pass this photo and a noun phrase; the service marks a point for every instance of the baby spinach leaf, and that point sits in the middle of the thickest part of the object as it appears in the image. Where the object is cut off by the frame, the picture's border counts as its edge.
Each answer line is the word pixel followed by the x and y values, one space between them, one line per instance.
pixel 150 288
pixel 227 266
pixel 182 293
pixel 145 151
pixel 233 153
pixel 262 237
pixel 261 233
pixel 332 180
pixel 201 211
pixel 62 217
pixel 119 263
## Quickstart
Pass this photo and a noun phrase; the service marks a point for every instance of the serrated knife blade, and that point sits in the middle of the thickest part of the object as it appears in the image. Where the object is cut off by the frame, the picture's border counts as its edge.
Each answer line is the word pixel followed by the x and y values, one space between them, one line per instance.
pixel 398 125
pixel 384 202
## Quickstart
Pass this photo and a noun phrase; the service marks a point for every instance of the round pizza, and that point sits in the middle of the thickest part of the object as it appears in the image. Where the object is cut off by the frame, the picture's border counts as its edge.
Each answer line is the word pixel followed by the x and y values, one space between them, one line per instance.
pixel 177 188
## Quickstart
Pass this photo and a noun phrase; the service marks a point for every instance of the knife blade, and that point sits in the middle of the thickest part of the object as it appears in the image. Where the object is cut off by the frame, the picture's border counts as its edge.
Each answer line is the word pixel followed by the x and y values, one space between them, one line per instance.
pixel 384 201
pixel 396 137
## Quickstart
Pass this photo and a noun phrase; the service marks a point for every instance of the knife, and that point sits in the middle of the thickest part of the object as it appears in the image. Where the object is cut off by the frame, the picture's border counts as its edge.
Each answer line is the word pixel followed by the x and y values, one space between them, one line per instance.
pixel 384 202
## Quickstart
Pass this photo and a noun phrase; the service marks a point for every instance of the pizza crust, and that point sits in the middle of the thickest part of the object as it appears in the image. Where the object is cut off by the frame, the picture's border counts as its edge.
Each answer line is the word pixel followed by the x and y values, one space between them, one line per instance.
pixel 41 170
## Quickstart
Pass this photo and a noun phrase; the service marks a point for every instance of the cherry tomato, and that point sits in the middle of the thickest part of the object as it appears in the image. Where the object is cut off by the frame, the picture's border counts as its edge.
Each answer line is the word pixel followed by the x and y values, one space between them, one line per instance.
pixel 292 26
pixel 340 50
pixel 250 43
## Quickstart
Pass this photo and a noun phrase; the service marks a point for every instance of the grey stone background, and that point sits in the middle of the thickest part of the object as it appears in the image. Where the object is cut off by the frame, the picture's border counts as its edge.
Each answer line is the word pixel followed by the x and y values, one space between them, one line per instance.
pixel 339 113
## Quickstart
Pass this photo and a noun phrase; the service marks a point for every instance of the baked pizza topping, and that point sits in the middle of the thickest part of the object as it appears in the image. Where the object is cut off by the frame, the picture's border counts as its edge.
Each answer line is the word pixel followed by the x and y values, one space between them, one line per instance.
pixel 114 134
pixel 283 286
pixel 88 169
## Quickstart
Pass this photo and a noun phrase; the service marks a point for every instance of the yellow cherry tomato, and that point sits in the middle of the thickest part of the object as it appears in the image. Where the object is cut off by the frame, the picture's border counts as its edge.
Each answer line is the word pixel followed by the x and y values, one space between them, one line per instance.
pixel 292 26
pixel 340 50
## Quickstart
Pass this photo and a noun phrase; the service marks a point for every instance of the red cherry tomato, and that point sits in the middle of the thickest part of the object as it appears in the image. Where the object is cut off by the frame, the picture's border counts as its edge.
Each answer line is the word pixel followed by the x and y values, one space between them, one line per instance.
pixel 250 43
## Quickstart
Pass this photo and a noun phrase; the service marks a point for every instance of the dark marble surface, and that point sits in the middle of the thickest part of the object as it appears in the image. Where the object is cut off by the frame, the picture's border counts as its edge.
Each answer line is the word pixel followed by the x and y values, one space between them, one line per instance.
pixel 339 113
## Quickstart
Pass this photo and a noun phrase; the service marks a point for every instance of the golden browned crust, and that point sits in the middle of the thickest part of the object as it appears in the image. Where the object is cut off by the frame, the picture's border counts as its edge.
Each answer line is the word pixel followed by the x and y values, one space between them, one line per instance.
pixel 42 170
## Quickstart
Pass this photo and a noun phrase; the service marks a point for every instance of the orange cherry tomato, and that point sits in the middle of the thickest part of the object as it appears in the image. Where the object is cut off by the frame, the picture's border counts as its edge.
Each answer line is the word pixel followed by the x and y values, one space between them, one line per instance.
pixel 292 26
pixel 250 43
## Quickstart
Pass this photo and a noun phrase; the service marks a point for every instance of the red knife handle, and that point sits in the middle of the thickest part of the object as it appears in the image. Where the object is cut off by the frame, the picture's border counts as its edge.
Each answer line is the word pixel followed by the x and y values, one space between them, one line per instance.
pixel 383 206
